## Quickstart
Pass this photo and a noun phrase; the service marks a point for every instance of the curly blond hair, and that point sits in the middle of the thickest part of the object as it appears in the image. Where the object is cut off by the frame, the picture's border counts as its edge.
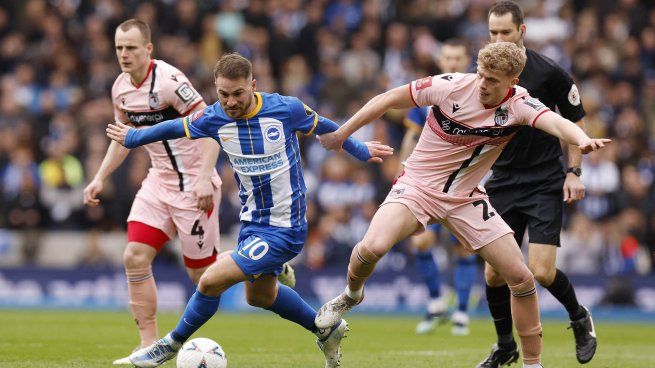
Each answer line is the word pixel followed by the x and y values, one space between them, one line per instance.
pixel 502 57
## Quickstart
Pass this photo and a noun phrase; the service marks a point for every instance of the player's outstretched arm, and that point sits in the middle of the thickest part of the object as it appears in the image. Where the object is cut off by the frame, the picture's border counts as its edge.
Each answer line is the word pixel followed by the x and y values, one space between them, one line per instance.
pixel 561 128
pixel 574 189
pixel 397 98
pixel 368 151
pixel 131 138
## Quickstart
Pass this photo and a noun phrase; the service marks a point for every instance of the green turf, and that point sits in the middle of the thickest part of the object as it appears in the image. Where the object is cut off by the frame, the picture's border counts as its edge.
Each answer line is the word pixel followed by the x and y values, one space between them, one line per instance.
pixel 93 339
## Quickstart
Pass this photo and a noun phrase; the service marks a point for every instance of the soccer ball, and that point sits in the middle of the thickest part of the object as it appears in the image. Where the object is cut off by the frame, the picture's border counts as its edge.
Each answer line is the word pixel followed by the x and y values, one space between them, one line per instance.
pixel 201 353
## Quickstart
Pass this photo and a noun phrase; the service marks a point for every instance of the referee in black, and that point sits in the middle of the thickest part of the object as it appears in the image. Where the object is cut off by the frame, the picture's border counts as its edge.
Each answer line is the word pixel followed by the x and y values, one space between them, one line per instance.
pixel 528 188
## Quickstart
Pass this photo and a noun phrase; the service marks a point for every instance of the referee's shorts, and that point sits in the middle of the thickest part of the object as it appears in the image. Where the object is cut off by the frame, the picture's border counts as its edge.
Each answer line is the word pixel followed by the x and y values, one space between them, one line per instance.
pixel 536 207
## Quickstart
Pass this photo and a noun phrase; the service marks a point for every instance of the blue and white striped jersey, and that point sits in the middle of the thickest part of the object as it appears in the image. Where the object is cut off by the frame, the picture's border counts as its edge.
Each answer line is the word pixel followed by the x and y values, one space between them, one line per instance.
pixel 263 150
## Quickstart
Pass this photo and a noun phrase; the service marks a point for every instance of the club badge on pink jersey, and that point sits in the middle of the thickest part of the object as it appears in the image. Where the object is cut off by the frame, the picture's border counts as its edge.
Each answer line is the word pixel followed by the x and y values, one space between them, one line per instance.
pixel 501 117
pixel 153 101
pixel 423 83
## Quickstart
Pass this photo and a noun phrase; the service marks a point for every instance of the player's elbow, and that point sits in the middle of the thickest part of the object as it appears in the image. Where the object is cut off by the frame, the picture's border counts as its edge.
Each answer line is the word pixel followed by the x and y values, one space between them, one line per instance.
pixel 382 102
pixel 391 100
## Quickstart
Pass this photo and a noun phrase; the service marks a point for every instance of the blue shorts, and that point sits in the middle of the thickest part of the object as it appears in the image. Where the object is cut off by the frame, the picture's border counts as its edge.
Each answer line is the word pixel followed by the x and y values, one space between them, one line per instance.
pixel 263 249
pixel 436 228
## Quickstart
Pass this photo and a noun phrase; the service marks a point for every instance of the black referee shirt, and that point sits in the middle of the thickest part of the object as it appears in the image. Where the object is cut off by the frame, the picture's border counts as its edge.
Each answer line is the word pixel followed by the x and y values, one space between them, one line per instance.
pixel 533 155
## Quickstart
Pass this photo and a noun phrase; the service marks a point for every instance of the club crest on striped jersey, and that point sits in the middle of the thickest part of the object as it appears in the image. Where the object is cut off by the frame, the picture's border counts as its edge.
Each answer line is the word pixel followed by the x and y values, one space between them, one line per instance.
pixel 273 133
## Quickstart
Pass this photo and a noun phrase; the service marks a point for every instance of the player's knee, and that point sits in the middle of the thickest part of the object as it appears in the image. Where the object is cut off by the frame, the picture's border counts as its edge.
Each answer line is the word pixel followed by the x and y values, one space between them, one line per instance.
pixel 136 257
pixel 424 241
pixel 364 254
pixel 421 244
pixel 372 249
pixel 516 272
pixel 492 277
pixel 461 251
pixel 523 287
pixel 195 274
pixel 260 299
pixel 543 274
pixel 208 284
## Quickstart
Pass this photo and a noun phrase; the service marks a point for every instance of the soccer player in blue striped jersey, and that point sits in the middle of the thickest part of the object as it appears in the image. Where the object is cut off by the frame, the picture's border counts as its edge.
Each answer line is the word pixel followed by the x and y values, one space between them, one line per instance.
pixel 454 57
pixel 258 133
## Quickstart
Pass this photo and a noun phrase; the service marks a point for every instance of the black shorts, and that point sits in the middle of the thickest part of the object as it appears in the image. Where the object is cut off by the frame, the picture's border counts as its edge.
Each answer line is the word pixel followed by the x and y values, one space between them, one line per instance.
pixel 537 207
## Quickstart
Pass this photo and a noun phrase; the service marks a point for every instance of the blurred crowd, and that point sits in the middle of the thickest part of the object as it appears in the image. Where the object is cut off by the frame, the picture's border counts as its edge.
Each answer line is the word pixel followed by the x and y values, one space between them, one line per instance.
pixel 57 66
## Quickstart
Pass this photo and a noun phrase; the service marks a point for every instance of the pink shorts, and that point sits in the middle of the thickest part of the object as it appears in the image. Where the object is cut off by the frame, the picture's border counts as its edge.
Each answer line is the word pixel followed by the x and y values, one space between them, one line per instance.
pixel 472 219
pixel 174 212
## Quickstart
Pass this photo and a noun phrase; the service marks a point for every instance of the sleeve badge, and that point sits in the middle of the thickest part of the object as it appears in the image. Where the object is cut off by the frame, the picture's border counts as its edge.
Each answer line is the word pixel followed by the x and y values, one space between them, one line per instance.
pixel 574 96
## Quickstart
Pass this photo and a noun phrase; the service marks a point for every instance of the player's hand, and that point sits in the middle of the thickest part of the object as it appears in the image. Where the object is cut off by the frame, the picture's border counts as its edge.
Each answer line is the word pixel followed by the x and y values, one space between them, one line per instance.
pixel 118 132
pixel 378 151
pixel 594 144
pixel 204 192
pixel 574 190
pixel 287 276
pixel 331 141
pixel 91 192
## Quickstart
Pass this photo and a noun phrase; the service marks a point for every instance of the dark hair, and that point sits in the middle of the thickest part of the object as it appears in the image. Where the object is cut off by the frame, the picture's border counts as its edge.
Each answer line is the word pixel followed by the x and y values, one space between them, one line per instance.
pixel 142 26
pixel 503 7
pixel 233 66
pixel 456 42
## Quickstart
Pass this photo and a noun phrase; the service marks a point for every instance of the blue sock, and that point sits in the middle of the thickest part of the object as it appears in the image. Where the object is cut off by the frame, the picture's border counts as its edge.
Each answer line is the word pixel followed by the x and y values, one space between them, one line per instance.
pixel 199 310
pixel 289 305
pixel 429 272
pixel 465 273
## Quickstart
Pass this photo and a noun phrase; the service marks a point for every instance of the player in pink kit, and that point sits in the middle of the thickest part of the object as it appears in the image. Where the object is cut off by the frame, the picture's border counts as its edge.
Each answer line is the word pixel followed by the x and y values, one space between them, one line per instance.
pixel 471 119
pixel 148 92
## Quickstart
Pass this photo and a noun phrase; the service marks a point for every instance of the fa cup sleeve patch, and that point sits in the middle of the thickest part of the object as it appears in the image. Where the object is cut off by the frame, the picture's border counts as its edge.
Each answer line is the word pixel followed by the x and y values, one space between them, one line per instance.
pixel 186 93
pixel 574 96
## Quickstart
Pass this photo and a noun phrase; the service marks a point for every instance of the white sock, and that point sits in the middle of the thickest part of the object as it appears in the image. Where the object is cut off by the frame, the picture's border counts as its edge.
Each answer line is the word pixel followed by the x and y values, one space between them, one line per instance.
pixel 355 295
pixel 436 305
pixel 532 365
pixel 174 343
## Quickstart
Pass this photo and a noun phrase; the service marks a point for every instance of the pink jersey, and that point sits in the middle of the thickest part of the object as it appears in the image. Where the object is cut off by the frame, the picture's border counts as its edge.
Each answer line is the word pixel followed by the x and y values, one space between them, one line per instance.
pixel 164 94
pixel 462 138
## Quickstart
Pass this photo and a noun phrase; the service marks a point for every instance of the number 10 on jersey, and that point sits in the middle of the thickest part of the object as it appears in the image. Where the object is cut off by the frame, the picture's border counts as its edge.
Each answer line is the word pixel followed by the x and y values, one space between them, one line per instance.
pixel 255 250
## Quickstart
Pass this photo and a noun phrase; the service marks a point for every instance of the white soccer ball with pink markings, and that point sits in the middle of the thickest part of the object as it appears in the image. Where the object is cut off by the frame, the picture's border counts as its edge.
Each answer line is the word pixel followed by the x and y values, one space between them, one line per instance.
pixel 201 353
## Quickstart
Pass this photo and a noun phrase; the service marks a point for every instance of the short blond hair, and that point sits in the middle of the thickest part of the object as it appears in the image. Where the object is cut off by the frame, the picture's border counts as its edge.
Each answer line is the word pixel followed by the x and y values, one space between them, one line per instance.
pixel 502 57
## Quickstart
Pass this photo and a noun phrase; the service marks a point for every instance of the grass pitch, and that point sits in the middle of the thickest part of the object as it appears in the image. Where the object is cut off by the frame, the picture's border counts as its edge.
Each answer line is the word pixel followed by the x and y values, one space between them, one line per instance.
pixel 94 339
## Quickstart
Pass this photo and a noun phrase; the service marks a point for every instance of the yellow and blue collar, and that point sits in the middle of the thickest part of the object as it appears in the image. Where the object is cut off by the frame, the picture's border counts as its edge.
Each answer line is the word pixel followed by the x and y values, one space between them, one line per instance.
pixel 258 107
